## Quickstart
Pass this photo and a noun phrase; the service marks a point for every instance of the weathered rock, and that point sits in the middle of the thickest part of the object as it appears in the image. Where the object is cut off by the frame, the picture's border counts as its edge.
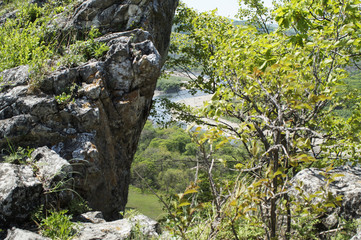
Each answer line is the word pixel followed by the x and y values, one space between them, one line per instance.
pixel 357 236
pixel 346 185
pixel 148 227
pixel 22 187
pixel 55 174
pixel 14 77
pixel 20 193
pixel 97 130
pixel 94 226
pixel 19 234
pixel 6 16
pixel 93 217
pixel 154 17
pixel 50 167
pixel 140 225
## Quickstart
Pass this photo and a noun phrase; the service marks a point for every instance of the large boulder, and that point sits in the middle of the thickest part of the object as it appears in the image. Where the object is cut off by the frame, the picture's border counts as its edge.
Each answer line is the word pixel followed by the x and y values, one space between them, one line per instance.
pixel 357 236
pixel 50 167
pixel 98 127
pixel 55 174
pixel 341 181
pixel 95 227
pixel 20 193
pixel 23 187
pixel 153 16
pixel 136 227
pixel 20 234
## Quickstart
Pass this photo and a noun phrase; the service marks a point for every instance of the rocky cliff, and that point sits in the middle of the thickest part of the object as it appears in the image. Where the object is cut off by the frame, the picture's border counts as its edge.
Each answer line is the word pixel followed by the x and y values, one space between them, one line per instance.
pixel 97 131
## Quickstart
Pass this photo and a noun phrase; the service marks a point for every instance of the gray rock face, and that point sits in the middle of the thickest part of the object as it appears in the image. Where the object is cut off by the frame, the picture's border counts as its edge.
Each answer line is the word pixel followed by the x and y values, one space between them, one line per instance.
pixel 154 17
pixel 22 187
pixel 19 234
pixel 20 193
pixel 93 217
pixel 357 236
pixel 55 174
pixel 50 167
pixel 348 185
pixel 140 226
pixel 97 130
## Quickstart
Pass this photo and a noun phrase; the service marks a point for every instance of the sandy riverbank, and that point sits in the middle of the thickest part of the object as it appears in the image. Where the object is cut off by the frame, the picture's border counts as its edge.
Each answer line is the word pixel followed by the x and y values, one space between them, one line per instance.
pixel 196 101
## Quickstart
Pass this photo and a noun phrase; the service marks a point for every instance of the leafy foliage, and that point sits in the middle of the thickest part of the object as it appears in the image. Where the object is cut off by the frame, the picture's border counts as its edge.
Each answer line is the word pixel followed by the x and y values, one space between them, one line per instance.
pixel 63 98
pixel 160 151
pixel 32 38
pixel 78 206
pixel 66 96
pixel 18 156
pixel 166 159
pixel 81 51
pixel 58 226
pixel 23 43
pixel 283 90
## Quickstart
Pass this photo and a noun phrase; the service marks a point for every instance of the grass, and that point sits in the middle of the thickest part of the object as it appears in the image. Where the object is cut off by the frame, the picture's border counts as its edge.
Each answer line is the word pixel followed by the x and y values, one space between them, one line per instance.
pixel 145 203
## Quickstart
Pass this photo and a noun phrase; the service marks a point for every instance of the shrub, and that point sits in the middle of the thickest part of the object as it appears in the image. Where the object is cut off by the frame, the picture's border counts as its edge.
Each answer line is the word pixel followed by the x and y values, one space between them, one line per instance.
pixel 82 51
pixel 58 226
pixel 22 44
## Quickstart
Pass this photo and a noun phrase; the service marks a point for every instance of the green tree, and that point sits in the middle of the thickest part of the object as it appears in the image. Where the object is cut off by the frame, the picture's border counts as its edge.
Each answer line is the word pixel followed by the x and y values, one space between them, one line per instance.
pixel 282 87
pixel 174 180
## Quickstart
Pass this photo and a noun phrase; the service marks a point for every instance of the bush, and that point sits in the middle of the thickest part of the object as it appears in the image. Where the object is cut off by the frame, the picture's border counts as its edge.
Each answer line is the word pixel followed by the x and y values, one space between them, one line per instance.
pixel 58 226
pixel 27 40
pixel 22 44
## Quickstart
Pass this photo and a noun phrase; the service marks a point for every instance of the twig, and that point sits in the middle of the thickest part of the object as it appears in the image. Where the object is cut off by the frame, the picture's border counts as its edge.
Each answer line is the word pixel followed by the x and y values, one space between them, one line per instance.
pixel 331 231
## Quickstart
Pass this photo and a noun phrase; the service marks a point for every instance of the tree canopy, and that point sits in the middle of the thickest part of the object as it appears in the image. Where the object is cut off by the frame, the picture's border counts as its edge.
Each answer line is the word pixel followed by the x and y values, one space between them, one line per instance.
pixel 281 87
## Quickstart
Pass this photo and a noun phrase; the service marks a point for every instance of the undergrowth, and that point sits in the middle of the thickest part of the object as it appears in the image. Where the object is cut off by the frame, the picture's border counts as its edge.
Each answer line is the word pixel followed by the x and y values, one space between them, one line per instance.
pixel 32 38
pixel 58 225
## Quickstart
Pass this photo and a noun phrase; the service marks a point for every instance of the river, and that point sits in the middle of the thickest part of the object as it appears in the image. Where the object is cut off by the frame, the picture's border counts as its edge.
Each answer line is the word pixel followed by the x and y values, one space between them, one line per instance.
pixel 183 96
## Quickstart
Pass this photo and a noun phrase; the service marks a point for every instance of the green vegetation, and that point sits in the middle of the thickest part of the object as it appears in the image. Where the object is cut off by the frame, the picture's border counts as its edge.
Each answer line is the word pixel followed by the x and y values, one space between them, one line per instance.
pixel 166 159
pixel 291 103
pixel 284 90
pixel 66 96
pixel 78 206
pixel 18 156
pixel 23 39
pixel 81 51
pixel 160 150
pixel 146 203
pixel 58 225
pixel 30 39
pixel 63 98
pixel 354 81
pixel 170 84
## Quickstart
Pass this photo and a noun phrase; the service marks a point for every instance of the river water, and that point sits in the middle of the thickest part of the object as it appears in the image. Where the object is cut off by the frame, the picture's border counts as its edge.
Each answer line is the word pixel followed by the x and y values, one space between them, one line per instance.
pixel 163 113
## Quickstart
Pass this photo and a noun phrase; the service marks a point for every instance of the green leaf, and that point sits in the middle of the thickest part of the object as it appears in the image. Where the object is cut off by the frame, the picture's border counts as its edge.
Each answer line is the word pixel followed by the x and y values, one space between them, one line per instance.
pixel 183 204
pixel 190 191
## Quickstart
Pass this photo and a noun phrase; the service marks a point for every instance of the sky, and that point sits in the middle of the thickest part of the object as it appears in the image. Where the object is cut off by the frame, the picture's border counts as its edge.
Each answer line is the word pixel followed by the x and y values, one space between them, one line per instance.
pixel 226 8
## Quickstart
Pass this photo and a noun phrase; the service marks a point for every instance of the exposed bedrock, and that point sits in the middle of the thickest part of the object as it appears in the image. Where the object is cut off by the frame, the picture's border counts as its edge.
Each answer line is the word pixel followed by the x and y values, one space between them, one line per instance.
pixel 98 128
pixel 341 181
